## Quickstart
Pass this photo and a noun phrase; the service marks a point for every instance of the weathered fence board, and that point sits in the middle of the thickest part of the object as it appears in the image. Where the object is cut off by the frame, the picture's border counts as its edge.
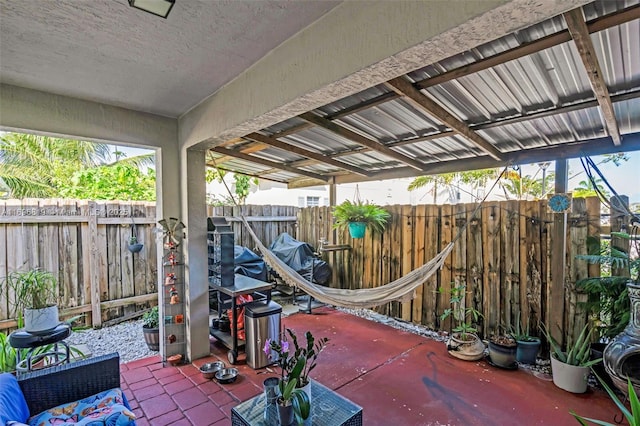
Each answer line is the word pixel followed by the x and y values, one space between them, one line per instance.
pixel 267 222
pixel 502 258
pixel 84 244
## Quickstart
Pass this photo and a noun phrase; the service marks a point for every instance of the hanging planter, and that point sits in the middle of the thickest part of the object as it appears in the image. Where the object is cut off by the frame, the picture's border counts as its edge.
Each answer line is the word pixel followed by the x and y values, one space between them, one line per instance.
pixel 358 216
pixel 357 229
pixel 134 245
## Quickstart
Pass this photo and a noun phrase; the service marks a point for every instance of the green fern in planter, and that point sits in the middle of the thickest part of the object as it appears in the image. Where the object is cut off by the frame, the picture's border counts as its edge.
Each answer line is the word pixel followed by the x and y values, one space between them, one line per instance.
pixel 373 216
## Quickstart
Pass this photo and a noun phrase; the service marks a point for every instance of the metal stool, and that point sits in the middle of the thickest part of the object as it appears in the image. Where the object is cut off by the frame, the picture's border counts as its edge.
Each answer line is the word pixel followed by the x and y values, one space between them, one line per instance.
pixel 22 339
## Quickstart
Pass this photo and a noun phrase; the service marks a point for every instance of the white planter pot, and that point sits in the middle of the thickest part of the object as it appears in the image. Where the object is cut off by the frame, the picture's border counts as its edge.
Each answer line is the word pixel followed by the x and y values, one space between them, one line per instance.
pixel 569 377
pixel 41 320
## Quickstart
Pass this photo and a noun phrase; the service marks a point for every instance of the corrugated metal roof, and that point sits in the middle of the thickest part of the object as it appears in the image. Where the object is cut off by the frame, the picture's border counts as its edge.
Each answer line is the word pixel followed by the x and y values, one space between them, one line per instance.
pixel 502 104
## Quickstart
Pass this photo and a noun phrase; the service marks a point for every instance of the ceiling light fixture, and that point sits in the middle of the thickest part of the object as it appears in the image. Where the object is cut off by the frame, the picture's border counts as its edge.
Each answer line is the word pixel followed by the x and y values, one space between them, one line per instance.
pixel 157 7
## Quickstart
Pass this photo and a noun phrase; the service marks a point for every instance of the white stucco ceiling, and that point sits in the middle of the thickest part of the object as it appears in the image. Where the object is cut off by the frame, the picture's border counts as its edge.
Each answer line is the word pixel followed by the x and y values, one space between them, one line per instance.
pixel 108 52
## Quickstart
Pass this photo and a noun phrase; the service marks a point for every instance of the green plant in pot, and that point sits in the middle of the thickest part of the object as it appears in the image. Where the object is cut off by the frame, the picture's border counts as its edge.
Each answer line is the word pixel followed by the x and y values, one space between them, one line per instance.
pixel 570 367
pixel 502 351
pixel 134 245
pixel 358 216
pixel 463 342
pixel 35 294
pixel 151 328
pixel 527 345
pixel 293 401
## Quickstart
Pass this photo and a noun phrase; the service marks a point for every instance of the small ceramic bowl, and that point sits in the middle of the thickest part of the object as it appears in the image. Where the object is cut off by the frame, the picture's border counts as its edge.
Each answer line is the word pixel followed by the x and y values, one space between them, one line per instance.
pixel 175 359
pixel 210 369
pixel 227 375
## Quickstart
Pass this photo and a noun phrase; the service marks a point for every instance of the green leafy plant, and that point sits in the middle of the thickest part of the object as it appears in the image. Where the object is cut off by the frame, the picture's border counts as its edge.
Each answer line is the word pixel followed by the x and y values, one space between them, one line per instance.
pixel 465 318
pixel 7 355
pixel 310 352
pixel 633 416
pixel 32 289
pixel 133 240
pixel 521 334
pixel 151 319
pixel 608 300
pixel 578 353
pixel 291 370
pixel 373 216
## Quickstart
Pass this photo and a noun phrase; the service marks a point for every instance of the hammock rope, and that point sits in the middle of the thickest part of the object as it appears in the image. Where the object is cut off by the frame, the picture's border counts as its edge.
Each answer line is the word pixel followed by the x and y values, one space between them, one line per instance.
pixel 402 289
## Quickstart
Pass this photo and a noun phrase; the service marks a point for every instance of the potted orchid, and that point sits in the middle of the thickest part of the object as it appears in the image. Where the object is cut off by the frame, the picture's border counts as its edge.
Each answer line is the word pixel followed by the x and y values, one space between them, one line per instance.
pixel 294 399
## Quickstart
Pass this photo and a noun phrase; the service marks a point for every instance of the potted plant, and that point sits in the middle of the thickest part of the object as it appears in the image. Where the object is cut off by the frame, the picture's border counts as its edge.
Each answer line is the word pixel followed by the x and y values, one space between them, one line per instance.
pixel 151 329
pixel 35 293
pixel 570 368
pixel 463 342
pixel 527 345
pixel 134 245
pixel 358 216
pixel 612 299
pixel 502 351
pixel 310 352
pixel 295 368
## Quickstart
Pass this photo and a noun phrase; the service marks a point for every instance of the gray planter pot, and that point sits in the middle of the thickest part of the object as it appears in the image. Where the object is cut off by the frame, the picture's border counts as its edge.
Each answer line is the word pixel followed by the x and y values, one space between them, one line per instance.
pixel 528 351
pixel 152 338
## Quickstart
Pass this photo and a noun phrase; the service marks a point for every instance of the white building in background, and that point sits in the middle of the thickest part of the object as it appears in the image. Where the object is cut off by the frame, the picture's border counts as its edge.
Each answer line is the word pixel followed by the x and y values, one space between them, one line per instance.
pixel 387 192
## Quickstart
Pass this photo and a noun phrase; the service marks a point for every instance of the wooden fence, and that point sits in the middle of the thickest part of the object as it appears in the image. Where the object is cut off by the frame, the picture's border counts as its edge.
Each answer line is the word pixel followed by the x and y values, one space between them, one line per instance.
pixel 266 221
pixel 85 244
pixel 503 257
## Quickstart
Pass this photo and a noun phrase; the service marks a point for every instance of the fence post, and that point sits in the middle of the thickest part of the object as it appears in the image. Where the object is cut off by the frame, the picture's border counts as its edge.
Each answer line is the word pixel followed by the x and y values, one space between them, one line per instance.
pixel 96 314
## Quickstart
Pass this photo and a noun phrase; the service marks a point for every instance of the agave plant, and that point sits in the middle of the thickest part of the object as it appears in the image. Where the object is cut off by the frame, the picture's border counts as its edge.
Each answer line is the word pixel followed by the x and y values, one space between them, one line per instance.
pixel 576 354
pixel 633 416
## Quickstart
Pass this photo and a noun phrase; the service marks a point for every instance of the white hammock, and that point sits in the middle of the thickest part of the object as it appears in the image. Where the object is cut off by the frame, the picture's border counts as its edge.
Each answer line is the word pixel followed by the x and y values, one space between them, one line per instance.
pixel 402 289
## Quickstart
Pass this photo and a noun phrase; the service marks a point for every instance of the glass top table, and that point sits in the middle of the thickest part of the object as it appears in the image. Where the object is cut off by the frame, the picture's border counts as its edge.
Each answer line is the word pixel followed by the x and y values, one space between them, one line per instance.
pixel 327 408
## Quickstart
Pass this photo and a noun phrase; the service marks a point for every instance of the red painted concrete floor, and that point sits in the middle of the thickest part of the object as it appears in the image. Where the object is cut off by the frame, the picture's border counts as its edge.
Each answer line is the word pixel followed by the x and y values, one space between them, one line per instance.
pixel 397 377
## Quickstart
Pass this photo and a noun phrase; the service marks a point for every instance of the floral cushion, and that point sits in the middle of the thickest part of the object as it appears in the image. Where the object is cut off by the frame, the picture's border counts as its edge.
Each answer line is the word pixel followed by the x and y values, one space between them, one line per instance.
pixel 106 408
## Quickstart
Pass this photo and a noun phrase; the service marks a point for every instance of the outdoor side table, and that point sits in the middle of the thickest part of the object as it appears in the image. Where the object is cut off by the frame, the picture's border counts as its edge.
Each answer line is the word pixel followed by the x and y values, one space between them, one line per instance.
pixel 22 339
pixel 328 408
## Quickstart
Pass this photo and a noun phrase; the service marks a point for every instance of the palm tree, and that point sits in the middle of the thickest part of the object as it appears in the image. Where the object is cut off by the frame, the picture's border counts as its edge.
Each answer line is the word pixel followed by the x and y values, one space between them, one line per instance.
pixel 475 178
pixel 34 166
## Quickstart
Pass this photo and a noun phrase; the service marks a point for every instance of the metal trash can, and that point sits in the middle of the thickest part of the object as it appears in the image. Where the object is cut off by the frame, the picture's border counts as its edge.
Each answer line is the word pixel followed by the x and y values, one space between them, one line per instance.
pixel 262 322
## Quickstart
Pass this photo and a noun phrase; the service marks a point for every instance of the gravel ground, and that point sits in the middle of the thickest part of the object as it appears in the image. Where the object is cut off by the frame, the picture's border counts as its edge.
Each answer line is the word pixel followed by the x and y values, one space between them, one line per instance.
pixel 126 338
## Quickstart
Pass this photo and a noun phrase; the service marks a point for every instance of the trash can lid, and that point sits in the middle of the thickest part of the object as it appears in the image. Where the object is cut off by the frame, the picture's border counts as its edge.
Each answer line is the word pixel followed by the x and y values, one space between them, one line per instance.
pixel 262 308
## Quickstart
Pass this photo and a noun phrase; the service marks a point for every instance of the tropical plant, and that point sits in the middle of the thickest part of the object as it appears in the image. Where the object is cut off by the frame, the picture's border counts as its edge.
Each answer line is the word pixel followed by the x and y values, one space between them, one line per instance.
pixel 578 353
pixel 123 180
pixel 36 166
pixel 373 216
pixel 608 301
pixel 464 317
pixel 291 370
pixel 310 352
pixel 521 334
pixel 32 289
pixel 633 416
pixel 7 355
pixel 151 319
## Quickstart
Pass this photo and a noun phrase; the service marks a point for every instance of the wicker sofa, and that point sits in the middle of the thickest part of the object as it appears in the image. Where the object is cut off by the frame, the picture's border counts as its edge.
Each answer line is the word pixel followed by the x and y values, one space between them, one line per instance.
pixel 66 384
